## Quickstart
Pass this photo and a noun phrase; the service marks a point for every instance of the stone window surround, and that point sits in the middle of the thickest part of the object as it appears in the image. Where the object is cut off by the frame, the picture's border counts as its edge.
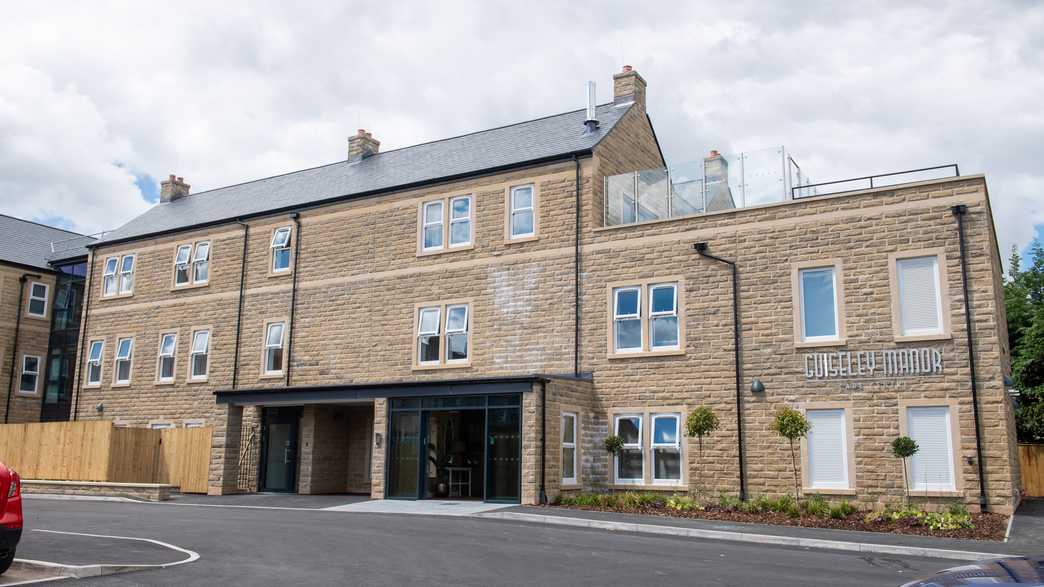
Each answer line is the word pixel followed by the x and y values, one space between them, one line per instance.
pixel 193 423
pixel 162 424
pixel 115 350
pixel 46 299
pixel 445 247
pixel 839 301
pixel 271 251
pixel 119 279
pixel 159 346
pixel 210 352
pixel 443 363
pixel 508 239
pixel 192 283
pixel 101 364
pixel 39 365
pixel 944 294
pixel 576 481
pixel 955 442
pixel 645 301
pixel 806 487
pixel 647 413
pixel 263 373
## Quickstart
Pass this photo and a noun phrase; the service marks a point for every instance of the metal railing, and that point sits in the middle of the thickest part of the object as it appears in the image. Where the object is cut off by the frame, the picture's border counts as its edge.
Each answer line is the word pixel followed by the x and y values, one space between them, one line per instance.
pixel 815 188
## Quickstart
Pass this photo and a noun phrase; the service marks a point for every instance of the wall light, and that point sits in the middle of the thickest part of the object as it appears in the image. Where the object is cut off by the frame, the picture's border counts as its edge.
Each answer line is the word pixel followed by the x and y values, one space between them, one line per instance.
pixel 756 386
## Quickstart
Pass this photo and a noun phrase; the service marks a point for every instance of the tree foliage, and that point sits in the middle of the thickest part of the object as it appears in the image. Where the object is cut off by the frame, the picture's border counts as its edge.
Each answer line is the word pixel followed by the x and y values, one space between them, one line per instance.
pixel 1024 305
pixel 792 425
pixel 701 422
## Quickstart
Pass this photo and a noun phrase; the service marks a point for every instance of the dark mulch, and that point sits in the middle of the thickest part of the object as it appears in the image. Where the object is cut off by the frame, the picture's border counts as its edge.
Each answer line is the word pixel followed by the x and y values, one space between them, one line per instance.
pixel 987 526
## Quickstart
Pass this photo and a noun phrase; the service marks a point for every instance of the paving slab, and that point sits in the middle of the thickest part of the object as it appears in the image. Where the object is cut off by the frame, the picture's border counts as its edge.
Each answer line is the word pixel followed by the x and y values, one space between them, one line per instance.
pixel 895 540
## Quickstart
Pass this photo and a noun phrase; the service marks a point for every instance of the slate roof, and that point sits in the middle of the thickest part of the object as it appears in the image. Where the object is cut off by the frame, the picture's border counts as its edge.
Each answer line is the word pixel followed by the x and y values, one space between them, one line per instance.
pixel 29 243
pixel 534 140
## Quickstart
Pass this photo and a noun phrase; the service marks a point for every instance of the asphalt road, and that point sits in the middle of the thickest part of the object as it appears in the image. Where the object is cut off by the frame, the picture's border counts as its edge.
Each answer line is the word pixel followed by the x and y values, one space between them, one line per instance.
pixel 241 546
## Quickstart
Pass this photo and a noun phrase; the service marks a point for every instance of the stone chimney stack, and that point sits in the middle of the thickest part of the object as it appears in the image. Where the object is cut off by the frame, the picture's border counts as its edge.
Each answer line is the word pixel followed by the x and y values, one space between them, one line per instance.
pixel 362 145
pixel 173 189
pixel 628 86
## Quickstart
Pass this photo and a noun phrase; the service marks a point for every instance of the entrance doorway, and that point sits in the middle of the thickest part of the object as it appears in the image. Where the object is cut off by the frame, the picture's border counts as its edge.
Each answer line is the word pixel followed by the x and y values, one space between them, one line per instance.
pixel 279 434
pixel 461 447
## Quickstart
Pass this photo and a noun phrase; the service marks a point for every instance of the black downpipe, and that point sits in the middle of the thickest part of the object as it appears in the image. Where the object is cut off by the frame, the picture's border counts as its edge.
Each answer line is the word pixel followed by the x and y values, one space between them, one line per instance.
pixel 293 297
pixel 239 308
pixel 959 211
pixel 576 277
pixel 701 249
pixel 14 347
pixel 543 441
pixel 83 332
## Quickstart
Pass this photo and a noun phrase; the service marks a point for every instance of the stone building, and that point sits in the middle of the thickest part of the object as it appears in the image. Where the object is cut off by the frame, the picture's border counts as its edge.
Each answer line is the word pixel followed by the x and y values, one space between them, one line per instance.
pixel 41 288
pixel 471 317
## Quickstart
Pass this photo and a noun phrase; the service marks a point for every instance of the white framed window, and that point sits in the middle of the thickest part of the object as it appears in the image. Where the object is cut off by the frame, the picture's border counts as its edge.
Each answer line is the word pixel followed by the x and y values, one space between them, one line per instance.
pixel 666 449
pixel 199 357
pixel 165 364
pixel 201 263
pixel 110 281
pixel 274 340
pixel 827 447
pixel 569 457
pixel 122 360
pixel 819 304
pixel 181 265
pixel 460 221
pixel 629 462
pixel 30 378
pixel 38 297
pixel 193 423
pixel 931 467
pixel 919 296
pixel 94 364
pixel 127 275
pixel 627 319
pixel 161 425
pixel 281 249
pixel 663 317
pixel 432 228
pixel 428 323
pixel 522 212
pixel 456 333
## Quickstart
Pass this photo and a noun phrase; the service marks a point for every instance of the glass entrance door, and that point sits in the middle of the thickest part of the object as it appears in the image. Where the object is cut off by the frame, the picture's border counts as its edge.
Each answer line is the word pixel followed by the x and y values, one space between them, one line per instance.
pixel 503 454
pixel 404 450
pixel 280 449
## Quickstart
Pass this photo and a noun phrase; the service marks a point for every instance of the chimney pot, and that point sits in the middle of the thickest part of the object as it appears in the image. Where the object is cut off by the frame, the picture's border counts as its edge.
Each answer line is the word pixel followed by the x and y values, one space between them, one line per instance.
pixel 362 145
pixel 173 189
pixel 627 69
pixel 714 153
pixel 629 86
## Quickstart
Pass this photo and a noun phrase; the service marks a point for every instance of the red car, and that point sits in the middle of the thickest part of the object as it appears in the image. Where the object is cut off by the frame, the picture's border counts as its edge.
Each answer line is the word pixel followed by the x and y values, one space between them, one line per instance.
pixel 10 515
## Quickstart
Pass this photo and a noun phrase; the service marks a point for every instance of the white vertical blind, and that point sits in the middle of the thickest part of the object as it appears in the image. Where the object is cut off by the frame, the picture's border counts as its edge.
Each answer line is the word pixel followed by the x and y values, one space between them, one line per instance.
pixel 931 468
pixel 827 449
pixel 919 295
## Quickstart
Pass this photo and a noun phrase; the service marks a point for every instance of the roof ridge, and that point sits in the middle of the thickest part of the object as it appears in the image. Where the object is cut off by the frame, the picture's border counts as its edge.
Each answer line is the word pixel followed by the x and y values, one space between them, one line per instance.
pixel 468 134
pixel 43 225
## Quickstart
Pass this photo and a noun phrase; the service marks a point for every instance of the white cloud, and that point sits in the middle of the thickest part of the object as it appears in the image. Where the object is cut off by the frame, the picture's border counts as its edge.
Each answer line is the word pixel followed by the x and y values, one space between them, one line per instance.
pixel 227 92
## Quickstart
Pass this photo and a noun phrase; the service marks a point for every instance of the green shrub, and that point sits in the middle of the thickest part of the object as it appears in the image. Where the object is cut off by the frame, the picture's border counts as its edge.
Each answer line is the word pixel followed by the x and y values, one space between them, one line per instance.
pixel 817 506
pixel 947 521
pixel 786 505
pixel 683 503
pixel 729 502
pixel 958 509
pixel 873 517
pixel 841 510
pixel 634 500
pixel 613 444
pixel 760 504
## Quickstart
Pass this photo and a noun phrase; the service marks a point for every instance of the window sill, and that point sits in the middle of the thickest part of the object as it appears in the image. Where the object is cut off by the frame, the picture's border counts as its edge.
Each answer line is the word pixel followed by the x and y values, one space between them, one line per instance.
pixel 125 384
pixel 283 273
pixel 159 382
pixel 92 385
pixel 27 393
pixel 190 286
pixel 446 250
pixel 271 376
pixel 570 487
pixel 43 318
pixel 923 337
pixel 650 487
pixel 811 344
pixel 434 367
pixel 922 493
pixel 826 491
pixel 643 354
pixel 196 381
pixel 521 239
pixel 105 298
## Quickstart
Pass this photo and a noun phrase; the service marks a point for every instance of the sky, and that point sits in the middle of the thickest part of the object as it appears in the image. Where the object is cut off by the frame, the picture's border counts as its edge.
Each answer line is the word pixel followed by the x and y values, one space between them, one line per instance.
pixel 99 100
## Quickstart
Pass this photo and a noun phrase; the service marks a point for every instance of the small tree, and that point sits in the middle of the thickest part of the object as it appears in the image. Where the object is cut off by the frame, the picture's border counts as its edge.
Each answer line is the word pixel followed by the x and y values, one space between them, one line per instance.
pixel 701 422
pixel 904 447
pixel 792 425
pixel 613 445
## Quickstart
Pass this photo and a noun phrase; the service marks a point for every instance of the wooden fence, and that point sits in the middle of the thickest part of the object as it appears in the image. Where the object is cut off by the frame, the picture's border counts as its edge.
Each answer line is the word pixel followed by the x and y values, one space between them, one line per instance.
pixel 1031 463
pixel 99 451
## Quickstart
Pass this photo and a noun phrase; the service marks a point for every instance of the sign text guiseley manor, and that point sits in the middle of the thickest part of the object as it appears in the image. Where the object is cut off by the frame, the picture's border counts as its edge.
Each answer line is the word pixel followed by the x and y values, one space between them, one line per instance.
pixel 903 362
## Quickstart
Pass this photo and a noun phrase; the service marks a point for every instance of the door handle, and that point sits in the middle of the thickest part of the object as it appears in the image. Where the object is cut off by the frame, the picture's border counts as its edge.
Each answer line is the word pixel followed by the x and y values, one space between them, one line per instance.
pixel 287 453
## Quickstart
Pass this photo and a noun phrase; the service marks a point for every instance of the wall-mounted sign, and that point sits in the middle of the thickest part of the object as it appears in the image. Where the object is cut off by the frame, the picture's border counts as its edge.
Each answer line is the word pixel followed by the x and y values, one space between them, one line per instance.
pixel 905 362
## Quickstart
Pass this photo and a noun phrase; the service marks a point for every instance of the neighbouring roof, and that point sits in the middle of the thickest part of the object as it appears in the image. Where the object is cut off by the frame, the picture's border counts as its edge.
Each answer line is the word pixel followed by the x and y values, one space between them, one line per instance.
pixel 36 245
pixel 517 144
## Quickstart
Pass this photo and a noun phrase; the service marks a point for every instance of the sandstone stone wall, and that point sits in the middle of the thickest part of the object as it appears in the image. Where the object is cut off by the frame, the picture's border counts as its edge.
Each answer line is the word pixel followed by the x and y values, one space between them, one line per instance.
pixel 33 336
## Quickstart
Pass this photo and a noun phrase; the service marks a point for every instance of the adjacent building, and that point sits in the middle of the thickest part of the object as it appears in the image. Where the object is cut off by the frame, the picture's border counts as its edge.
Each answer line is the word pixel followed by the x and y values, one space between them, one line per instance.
pixel 42 272
pixel 471 317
